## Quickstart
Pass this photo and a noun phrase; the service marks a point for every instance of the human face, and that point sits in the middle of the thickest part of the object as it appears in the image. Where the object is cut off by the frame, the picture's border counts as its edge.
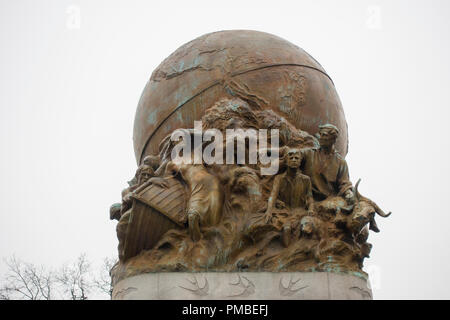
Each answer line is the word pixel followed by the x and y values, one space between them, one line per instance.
pixel 144 177
pixel 327 138
pixel 293 159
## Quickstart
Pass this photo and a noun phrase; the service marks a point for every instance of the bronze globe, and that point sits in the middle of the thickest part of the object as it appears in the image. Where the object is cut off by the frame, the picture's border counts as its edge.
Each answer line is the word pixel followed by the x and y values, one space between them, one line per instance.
pixel 265 70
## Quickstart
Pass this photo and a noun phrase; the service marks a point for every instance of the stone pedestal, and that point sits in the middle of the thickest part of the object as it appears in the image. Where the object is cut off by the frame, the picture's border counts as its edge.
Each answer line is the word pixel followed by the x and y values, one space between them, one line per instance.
pixel 244 285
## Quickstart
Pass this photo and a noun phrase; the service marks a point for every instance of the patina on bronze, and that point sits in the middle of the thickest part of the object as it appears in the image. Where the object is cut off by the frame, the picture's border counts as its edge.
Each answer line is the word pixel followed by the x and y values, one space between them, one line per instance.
pixel 228 217
pixel 264 70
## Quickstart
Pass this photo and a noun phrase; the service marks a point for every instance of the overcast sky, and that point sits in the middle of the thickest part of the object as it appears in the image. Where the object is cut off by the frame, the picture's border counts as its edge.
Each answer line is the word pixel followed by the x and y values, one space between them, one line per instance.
pixel 69 91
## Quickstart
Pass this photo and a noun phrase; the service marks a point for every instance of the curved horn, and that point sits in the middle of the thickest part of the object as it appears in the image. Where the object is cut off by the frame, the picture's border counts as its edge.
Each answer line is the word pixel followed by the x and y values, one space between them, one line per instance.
pixel 357 194
pixel 379 211
pixel 376 207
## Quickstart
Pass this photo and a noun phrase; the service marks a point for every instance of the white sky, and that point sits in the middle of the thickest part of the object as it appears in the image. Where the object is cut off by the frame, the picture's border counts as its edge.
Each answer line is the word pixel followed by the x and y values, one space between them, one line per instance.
pixel 68 98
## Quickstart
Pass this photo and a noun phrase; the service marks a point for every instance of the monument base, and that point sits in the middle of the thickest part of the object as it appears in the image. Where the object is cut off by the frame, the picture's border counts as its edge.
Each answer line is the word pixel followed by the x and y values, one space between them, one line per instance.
pixel 243 285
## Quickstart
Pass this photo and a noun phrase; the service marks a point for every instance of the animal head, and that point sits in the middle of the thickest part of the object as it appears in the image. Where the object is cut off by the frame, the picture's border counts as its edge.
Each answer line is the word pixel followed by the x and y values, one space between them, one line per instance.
pixel 363 213
pixel 309 225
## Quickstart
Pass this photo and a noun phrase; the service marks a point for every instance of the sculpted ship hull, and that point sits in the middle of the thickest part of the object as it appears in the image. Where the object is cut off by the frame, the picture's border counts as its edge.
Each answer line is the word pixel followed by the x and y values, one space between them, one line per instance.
pixel 155 211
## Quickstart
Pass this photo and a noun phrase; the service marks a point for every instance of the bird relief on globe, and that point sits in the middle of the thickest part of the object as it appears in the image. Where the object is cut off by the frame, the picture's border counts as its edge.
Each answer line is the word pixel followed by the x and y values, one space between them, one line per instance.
pixel 240 140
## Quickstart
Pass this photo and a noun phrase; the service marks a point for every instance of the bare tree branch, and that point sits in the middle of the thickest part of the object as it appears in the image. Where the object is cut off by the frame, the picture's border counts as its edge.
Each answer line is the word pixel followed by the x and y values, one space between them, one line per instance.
pixel 103 280
pixel 26 281
pixel 75 278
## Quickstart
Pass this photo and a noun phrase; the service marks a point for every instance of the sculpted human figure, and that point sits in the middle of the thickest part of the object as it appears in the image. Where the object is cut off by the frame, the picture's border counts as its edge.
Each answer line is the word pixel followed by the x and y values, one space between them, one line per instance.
pixel 246 189
pixel 143 174
pixel 327 168
pixel 293 188
pixel 118 209
pixel 153 162
pixel 149 164
pixel 204 206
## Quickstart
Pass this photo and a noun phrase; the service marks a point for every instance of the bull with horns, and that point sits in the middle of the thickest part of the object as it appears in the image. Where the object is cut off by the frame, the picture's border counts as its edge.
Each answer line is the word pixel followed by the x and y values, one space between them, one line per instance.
pixel 363 213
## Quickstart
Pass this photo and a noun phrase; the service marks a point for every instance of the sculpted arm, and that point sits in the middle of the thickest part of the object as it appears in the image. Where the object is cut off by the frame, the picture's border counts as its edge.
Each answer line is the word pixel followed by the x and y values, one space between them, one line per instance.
pixel 309 198
pixel 272 198
pixel 172 169
pixel 161 169
pixel 345 185
pixel 127 200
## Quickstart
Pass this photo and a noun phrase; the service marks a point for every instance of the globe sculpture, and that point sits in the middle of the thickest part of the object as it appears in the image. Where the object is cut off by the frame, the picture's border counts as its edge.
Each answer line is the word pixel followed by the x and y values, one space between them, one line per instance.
pixel 264 70
pixel 242 190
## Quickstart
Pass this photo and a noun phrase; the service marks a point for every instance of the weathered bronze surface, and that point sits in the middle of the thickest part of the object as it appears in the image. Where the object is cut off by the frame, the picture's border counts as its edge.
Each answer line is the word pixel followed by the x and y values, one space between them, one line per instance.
pixel 266 71
pixel 201 217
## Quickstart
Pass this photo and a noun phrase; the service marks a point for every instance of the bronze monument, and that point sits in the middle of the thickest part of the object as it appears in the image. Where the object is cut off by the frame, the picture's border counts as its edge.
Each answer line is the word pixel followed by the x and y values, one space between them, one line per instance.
pixel 228 216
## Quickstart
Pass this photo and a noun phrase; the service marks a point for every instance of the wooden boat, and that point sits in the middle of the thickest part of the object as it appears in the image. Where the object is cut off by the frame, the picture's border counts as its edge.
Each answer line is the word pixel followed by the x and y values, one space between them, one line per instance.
pixel 155 211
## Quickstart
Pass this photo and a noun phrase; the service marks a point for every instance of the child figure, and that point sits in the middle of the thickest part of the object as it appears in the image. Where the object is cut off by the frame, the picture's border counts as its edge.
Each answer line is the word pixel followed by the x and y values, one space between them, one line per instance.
pixel 294 189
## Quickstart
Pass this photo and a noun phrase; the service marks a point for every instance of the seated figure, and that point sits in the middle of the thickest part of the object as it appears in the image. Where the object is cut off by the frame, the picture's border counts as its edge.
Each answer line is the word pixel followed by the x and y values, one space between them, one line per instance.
pixel 327 169
pixel 294 189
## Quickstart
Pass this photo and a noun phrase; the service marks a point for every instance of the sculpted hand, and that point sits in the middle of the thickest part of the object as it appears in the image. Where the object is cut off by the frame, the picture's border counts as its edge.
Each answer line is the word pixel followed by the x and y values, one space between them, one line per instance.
pixel 128 196
pixel 160 182
pixel 267 216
